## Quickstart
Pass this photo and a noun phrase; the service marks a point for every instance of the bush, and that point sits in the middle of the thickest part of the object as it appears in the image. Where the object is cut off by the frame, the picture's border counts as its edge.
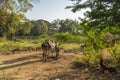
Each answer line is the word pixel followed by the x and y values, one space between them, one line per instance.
pixel 3 39
pixel 44 36
pixel 64 37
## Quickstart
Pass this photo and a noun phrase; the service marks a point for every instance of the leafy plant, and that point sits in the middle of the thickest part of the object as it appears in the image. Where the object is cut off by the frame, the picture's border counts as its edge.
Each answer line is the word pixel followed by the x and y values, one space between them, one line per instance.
pixel 66 37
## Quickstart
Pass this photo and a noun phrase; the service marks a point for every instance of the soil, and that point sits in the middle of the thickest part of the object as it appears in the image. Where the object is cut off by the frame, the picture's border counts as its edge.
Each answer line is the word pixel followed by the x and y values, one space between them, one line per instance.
pixel 29 66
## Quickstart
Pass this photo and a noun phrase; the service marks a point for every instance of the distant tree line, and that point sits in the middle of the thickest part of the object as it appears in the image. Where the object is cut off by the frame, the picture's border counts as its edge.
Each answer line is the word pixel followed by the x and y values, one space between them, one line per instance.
pixel 57 26
pixel 14 23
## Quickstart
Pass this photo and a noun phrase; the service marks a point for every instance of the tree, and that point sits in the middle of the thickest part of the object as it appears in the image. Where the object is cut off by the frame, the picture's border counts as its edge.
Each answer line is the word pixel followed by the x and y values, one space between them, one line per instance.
pixel 12 14
pixel 101 18
pixel 16 6
pixel 54 27
pixel 39 27
pixel 8 23
pixel 24 28
pixel 67 26
pixel 44 28
pixel 100 13
pixel 35 31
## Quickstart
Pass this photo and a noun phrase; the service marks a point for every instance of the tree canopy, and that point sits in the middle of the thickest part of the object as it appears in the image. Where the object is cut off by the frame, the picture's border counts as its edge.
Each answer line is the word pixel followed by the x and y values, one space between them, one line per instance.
pixel 67 26
pixel 99 12
pixel 100 25
pixel 12 16
pixel 39 27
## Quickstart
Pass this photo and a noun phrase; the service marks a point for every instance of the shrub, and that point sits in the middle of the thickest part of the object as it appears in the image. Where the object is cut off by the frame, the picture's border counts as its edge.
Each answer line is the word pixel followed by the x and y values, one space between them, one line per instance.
pixel 44 36
pixel 64 37
pixel 3 39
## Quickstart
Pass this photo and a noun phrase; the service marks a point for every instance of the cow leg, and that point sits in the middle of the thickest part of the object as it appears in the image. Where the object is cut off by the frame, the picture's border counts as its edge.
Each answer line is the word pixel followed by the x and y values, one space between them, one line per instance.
pixel 44 56
pixel 47 55
pixel 57 52
pixel 57 55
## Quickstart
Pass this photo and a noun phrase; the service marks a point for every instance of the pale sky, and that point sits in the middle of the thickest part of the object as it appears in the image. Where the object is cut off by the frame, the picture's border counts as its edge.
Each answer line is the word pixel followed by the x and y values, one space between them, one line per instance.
pixel 52 9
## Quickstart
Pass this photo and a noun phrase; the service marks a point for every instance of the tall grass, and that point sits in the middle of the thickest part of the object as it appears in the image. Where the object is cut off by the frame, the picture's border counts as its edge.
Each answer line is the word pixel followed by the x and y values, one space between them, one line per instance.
pixel 6 45
pixel 36 41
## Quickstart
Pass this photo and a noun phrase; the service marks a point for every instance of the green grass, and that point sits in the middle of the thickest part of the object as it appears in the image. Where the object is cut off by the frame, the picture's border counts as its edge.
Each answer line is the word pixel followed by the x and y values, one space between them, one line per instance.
pixel 10 45
pixel 70 46
pixel 6 46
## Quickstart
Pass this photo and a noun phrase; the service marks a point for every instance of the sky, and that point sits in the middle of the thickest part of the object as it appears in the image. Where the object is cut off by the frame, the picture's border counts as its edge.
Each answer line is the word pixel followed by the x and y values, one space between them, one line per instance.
pixel 51 10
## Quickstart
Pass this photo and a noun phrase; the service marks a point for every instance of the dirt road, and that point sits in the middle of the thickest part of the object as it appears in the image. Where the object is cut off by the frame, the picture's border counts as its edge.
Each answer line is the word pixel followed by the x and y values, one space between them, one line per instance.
pixel 29 66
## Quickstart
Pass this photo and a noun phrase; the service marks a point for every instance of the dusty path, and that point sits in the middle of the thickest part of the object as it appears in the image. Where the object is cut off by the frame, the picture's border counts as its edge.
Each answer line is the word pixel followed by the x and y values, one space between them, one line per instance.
pixel 29 66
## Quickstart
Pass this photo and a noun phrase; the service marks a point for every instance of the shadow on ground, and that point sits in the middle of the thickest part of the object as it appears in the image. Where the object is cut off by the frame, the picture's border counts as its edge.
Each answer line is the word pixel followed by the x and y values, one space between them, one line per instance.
pixel 12 63
pixel 81 71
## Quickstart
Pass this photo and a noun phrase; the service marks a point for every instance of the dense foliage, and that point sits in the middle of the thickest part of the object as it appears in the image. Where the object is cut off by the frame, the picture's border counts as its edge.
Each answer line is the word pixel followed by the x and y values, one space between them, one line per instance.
pixel 57 26
pixel 99 12
pixel 68 38
pixel 39 27
pixel 12 17
pixel 101 19
pixel 66 26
